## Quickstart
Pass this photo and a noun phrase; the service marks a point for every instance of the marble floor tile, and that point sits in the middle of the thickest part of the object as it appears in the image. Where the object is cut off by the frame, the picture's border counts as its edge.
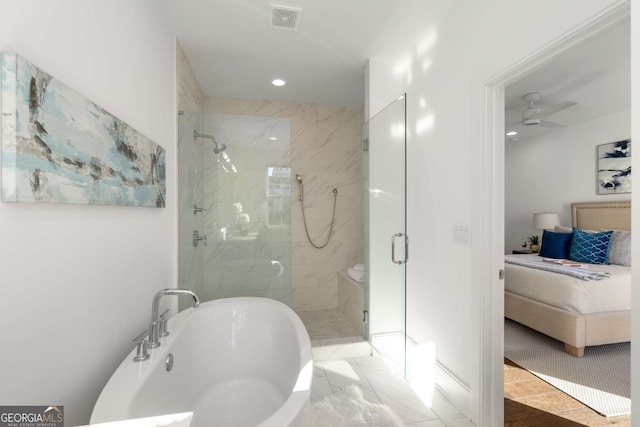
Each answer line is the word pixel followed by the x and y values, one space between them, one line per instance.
pixel 330 350
pixel 320 389
pixel 375 365
pixel 447 413
pixel 381 384
pixel 432 423
pixel 367 393
pixel 340 362
pixel 342 373
pixel 396 393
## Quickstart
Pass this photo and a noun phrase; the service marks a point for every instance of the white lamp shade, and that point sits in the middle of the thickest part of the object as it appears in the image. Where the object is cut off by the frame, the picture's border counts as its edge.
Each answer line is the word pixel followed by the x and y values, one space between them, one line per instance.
pixel 545 220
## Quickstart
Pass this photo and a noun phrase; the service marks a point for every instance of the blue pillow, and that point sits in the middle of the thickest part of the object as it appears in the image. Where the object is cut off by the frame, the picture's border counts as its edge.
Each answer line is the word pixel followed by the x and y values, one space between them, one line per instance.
pixel 555 245
pixel 592 248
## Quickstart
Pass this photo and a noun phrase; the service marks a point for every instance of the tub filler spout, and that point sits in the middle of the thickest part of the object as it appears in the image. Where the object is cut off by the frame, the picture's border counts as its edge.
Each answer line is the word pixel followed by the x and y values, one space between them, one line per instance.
pixel 154 325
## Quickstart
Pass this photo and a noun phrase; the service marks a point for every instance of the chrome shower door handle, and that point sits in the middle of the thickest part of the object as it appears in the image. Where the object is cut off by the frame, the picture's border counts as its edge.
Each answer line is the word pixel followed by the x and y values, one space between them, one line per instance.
pixel 393 248
pixel 406 248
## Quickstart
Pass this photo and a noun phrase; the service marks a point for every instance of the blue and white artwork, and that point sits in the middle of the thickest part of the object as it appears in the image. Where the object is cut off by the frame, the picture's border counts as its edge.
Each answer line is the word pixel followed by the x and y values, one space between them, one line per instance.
pixel 59 147
pixel 614 167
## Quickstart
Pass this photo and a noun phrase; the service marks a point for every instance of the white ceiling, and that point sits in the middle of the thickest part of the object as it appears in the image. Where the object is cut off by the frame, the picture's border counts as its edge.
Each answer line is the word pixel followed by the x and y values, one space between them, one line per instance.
pixel 235 53
pixel 596 75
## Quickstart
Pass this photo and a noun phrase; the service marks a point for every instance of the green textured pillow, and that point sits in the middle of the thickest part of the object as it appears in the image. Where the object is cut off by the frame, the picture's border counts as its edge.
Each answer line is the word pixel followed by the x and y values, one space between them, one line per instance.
pixel 591 248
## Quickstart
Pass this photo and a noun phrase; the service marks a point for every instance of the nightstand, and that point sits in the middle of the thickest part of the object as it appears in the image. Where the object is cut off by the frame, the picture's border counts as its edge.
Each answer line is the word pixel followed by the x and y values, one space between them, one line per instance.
pixel 522 252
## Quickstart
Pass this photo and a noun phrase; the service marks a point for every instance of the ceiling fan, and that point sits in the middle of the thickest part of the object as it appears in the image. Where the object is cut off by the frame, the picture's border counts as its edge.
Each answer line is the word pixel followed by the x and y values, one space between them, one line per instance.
pixel 533 114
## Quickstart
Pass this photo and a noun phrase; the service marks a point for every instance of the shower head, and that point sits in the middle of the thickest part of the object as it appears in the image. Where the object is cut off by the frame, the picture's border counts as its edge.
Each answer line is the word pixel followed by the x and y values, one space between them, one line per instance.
pixel 217 147
pixel 299 178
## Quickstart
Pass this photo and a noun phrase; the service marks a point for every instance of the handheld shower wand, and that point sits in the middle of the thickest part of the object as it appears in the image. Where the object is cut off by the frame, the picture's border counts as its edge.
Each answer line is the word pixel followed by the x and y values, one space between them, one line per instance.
pixel 304 218
pixel 299 179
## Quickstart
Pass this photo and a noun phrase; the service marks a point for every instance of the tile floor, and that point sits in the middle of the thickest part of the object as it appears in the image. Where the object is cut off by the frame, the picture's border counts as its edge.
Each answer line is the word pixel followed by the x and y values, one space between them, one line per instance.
pixel 381 384
pixel 342 358
pixel 328 324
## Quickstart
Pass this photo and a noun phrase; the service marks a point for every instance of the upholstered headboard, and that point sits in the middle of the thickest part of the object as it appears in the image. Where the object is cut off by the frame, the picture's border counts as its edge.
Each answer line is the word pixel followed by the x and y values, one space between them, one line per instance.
pixel 601 215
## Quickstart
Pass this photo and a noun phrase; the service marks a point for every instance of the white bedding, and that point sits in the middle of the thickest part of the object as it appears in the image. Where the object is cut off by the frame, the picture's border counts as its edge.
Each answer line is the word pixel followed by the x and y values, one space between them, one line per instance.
pixel 569 293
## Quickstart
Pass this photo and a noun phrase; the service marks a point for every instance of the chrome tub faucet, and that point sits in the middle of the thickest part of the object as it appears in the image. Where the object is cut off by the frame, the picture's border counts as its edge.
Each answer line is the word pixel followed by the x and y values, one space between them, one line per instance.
pixel 155 324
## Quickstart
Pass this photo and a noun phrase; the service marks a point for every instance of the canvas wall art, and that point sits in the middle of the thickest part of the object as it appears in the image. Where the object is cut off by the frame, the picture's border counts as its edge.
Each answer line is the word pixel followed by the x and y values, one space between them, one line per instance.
pixel 614 167
pixel 59 147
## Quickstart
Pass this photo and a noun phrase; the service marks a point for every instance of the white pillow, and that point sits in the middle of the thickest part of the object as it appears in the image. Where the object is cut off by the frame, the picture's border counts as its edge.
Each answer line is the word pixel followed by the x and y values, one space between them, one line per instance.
pixel 620 248
pixel 561 229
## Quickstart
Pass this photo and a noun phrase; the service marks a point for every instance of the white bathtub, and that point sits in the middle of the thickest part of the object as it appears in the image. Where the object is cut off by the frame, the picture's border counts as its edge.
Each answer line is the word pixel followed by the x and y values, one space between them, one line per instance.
pixel 236 362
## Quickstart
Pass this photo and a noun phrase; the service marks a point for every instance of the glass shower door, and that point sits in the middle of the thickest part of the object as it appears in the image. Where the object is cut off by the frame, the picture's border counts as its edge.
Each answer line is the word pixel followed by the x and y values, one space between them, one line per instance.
pixel 386 242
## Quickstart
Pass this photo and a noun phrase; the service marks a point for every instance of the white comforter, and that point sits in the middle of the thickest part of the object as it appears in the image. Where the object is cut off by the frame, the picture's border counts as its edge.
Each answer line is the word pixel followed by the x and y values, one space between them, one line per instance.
pixel 570 293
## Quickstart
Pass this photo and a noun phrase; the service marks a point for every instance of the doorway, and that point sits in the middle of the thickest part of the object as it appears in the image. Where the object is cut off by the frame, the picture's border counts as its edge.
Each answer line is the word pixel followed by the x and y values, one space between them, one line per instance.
pixel 490 407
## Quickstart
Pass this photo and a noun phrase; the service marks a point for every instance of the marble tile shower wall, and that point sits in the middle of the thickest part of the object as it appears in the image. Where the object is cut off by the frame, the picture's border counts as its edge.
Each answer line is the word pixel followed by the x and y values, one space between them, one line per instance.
pixel 326 152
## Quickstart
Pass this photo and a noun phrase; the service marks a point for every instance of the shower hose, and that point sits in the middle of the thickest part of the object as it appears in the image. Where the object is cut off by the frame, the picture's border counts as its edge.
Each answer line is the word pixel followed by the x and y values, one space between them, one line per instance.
pixel 333 218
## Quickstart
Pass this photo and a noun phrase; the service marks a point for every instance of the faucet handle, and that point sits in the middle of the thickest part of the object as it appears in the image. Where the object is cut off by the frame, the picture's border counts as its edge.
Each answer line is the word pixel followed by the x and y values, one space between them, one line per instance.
pixel 141 351
pixel 162 324
pixel 163 327
pixel 196 209
pixel 141 347
pixel 141 337
pixel 197 237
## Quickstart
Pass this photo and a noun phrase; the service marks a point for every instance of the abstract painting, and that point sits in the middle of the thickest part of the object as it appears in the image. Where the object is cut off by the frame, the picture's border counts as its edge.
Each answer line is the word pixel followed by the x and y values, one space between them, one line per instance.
pixel 614 167
pixel 59 147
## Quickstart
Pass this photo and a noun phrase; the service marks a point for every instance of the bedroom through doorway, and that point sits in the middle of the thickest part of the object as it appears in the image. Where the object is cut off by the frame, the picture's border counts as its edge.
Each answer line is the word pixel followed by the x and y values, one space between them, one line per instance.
pixel 559 108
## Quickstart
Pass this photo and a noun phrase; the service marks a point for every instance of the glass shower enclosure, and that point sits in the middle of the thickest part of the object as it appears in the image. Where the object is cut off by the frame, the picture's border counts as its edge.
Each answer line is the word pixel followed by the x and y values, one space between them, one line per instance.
pixel 386 241
pixel 235 197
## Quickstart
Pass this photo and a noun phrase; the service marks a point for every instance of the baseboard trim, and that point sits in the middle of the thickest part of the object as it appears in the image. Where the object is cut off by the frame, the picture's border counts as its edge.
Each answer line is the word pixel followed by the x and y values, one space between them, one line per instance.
pixel 458 393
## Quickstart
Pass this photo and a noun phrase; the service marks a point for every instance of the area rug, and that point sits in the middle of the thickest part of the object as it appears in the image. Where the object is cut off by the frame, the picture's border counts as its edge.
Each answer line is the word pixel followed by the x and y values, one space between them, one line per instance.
pixel 351 409
pixel 601 379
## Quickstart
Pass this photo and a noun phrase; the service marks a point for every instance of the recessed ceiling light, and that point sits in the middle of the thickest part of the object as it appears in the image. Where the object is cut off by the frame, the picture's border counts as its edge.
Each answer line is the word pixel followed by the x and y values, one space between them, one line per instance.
pixel 273 138
pixel 278 82
pixel 511 133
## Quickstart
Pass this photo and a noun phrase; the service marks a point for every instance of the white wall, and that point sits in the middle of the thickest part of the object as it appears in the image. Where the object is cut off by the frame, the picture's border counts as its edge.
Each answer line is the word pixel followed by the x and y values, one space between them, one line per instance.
pixel 548 173
pixel 442 55
pixel 77 281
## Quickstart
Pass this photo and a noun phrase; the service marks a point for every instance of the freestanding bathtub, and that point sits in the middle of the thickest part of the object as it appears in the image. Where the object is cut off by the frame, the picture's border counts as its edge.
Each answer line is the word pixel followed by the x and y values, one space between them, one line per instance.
pixel 236 362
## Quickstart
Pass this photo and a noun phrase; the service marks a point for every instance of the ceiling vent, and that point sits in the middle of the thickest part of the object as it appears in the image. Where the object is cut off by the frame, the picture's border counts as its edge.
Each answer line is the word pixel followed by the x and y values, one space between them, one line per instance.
pixel 285 17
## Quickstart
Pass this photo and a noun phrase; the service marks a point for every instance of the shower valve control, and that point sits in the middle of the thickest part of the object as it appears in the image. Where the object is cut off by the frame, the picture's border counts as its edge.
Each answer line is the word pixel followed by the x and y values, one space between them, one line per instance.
pixel 197 238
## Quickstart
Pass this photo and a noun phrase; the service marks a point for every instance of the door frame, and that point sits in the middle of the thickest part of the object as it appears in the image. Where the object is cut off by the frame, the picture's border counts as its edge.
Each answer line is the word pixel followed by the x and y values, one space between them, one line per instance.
pixel 488 402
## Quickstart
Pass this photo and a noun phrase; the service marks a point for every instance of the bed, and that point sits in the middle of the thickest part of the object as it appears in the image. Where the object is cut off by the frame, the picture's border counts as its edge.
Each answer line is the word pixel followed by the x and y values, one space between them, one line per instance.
pixel 605 321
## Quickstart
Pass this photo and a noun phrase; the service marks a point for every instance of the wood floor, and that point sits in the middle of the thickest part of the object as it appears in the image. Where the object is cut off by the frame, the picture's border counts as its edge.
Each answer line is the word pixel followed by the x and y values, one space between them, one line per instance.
pixel 530 401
